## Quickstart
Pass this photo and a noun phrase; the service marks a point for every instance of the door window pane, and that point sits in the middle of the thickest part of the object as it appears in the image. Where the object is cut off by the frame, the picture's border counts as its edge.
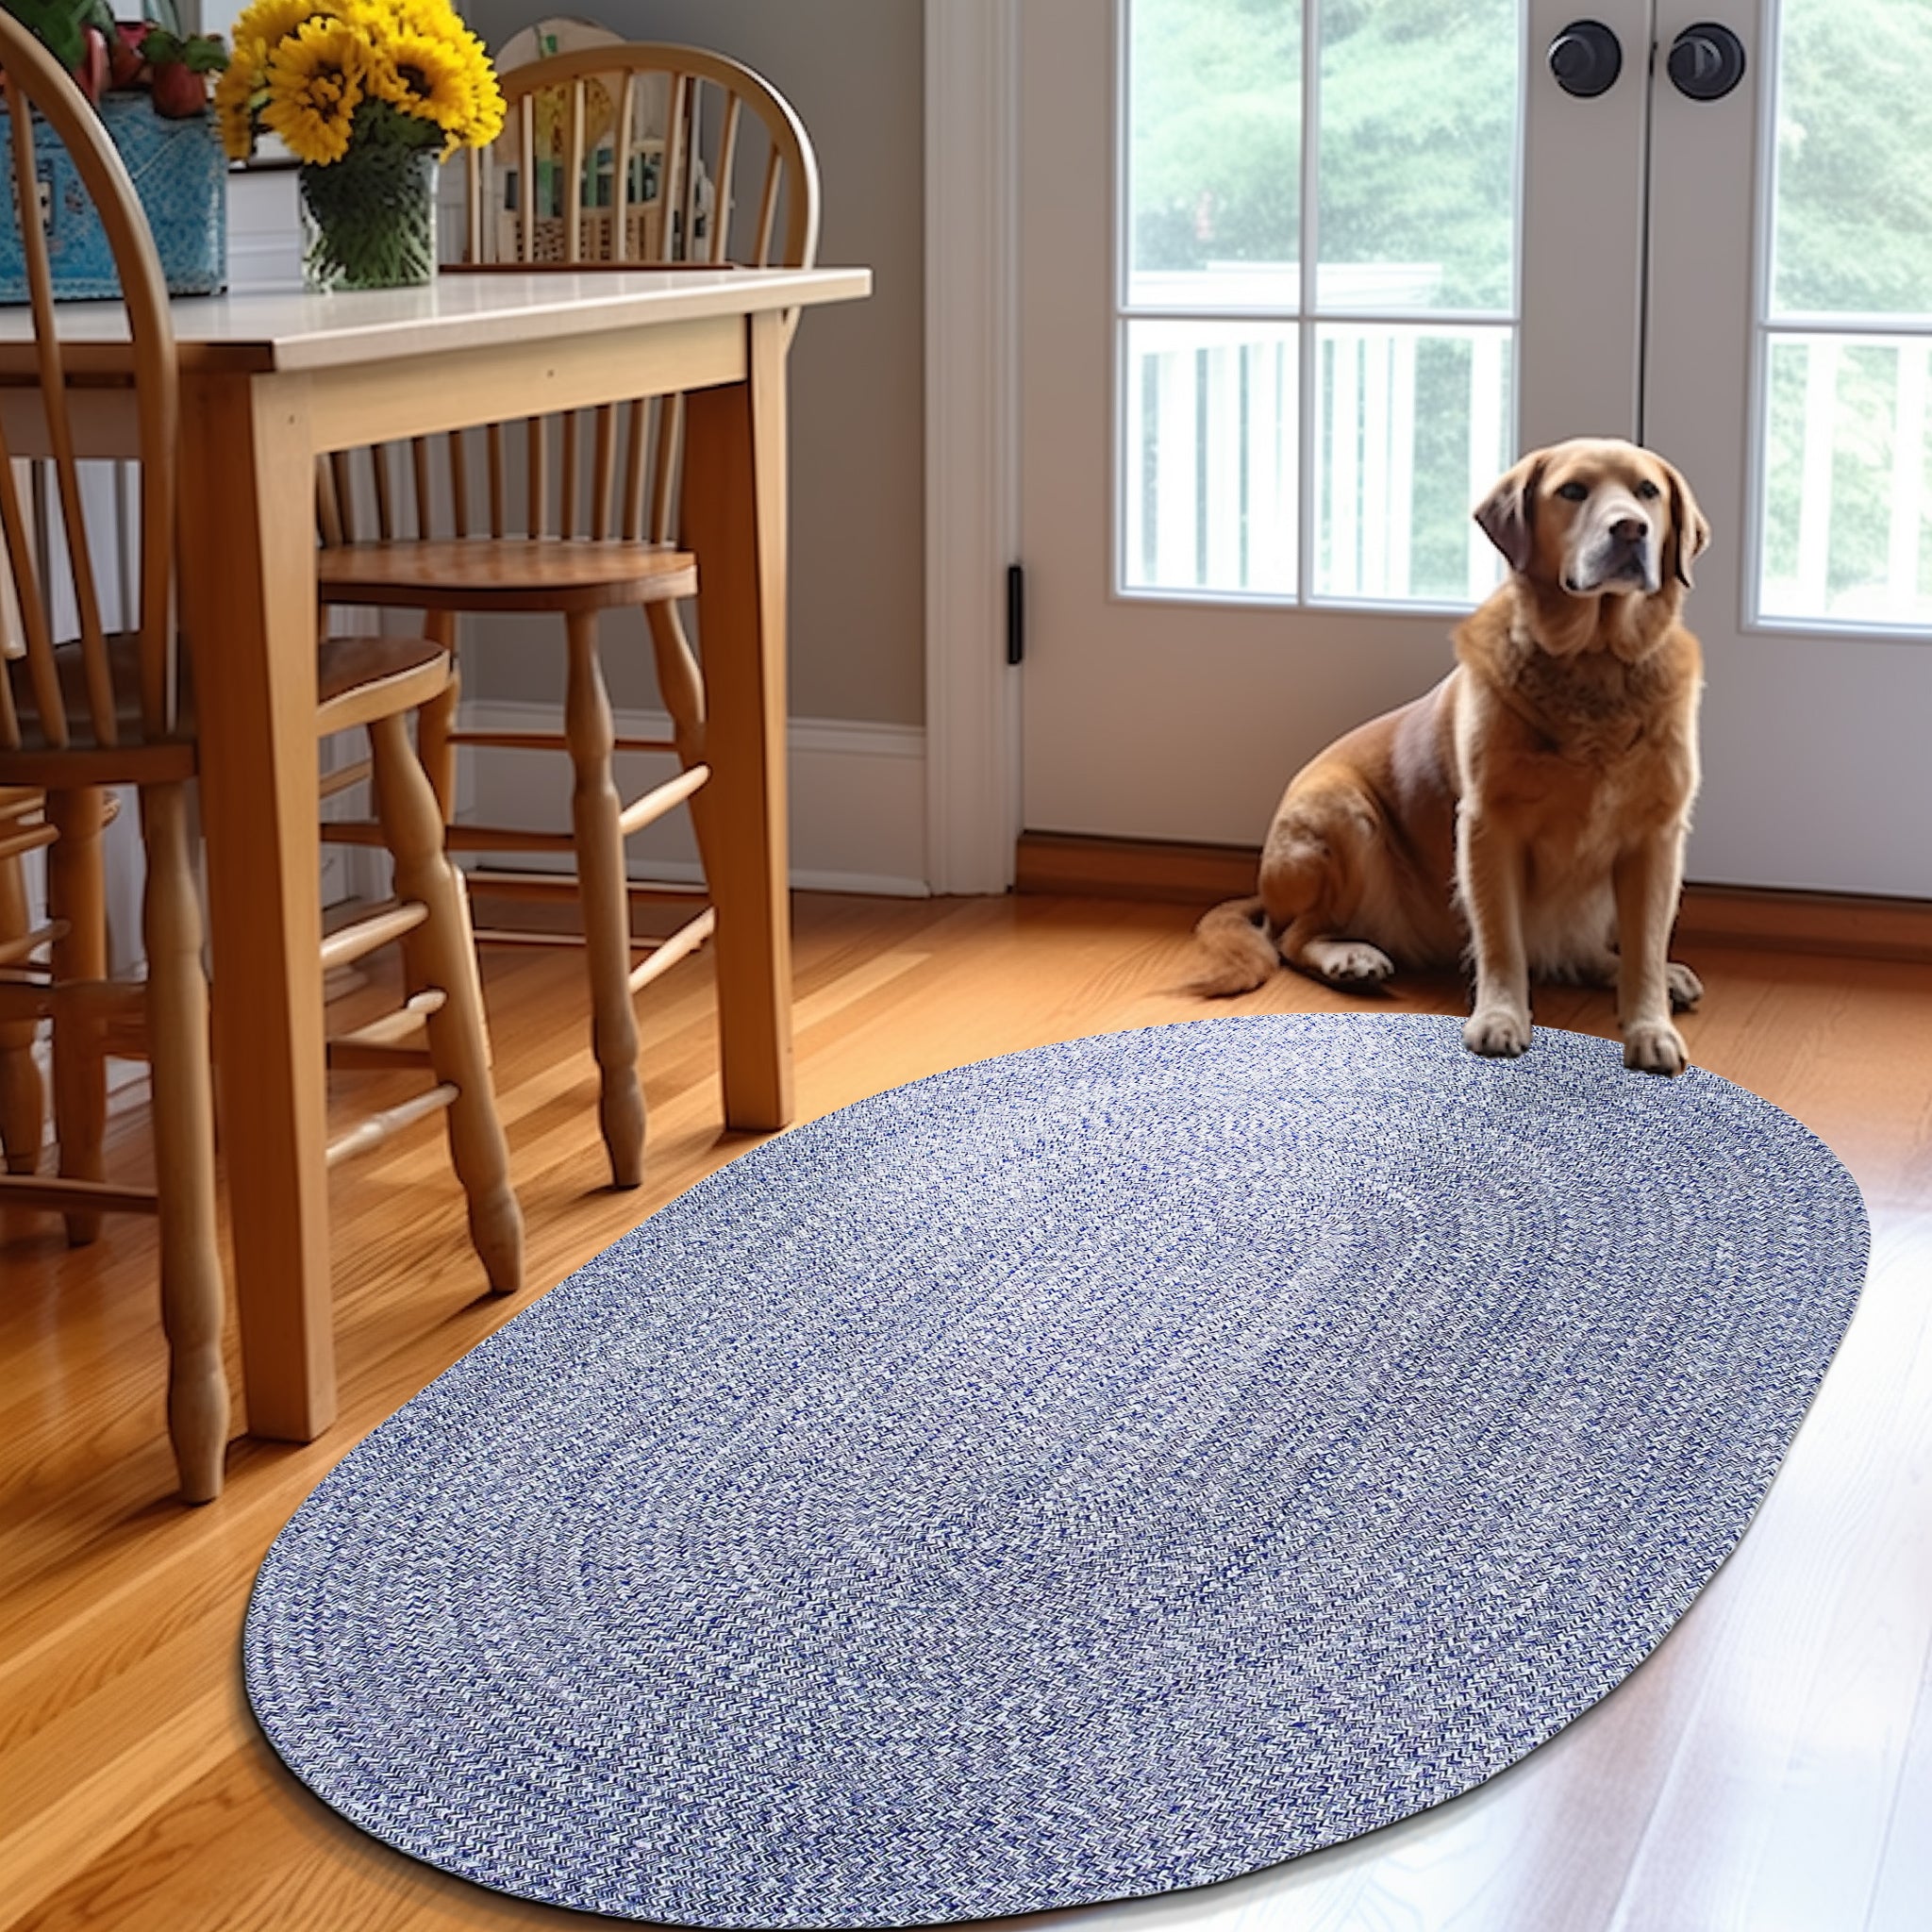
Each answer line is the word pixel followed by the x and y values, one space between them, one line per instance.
pixel 1412 427
pixel 1209 457
pixel 1847 532
pixel 1417 174
pixel 1419 126
pixel 1844 520
pixel 1214 120
pixel 1853 227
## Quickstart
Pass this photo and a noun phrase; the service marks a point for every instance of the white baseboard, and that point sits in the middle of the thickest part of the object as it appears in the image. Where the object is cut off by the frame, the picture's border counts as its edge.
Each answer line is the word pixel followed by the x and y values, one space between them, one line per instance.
pixel 858 799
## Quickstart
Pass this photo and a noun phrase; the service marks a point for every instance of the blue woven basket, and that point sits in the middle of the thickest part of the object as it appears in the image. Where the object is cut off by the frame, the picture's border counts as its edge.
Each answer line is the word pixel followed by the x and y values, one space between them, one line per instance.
pixel 180 174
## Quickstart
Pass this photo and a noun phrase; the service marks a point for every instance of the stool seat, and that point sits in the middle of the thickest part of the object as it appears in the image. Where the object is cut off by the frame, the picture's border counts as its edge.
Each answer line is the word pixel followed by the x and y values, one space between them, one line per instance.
pixel 346 669
pixel 506 574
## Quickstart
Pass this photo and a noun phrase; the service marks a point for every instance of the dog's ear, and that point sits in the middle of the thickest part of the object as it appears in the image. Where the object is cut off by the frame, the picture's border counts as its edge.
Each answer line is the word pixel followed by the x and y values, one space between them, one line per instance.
pixel 1690 530
pixel 1507 516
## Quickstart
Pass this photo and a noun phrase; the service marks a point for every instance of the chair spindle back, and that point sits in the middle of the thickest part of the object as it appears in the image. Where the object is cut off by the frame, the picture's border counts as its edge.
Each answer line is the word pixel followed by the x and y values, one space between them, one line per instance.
pixel 634 153
pixel 52 428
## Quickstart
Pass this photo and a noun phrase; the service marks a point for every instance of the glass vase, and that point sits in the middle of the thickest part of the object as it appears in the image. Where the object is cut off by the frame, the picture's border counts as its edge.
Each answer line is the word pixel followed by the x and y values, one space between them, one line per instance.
pixel 369 220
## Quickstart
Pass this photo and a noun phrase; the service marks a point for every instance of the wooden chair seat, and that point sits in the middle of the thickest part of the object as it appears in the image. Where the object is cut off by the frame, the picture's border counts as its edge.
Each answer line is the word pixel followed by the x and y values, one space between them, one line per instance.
pixel 506 574
pixel 90 755
pixel 353 675
pixel 358 680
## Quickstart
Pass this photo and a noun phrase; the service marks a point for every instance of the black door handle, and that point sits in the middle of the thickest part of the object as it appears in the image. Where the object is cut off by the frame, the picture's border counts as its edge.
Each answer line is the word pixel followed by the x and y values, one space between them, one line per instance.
pixel 1706 61
pixel 1586 57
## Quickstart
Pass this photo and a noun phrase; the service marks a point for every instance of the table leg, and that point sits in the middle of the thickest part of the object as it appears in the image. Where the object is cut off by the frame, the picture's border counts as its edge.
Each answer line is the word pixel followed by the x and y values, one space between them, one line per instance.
pixel 734 504
pixel 248 611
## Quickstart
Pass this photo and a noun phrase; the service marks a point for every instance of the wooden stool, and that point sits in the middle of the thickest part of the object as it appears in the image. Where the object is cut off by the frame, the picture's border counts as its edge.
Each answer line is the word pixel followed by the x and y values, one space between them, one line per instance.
pixel 377 683
pixel 665 133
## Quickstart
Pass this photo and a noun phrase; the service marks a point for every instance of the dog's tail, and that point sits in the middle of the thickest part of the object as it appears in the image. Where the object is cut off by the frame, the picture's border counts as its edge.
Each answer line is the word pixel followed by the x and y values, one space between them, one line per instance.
pixel 1241 948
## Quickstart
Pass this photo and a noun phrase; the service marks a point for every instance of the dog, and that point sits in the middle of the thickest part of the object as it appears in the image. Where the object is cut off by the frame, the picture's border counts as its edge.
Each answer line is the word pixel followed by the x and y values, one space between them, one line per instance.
pixel 1528 814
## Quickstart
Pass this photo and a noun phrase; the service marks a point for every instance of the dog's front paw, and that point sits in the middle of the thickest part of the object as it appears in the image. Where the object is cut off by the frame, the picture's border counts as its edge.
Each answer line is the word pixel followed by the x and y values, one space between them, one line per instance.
pixel 1349 962
pixel 1655 1046
pixel 1498 1032
pixel 1686 988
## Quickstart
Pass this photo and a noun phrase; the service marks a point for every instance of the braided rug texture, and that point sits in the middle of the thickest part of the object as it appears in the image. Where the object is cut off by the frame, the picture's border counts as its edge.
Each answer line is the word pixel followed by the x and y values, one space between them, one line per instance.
pixel 1090 1473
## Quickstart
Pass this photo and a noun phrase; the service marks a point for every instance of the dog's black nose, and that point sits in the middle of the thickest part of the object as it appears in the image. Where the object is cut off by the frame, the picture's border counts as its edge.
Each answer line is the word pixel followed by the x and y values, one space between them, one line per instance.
pixel 1630 529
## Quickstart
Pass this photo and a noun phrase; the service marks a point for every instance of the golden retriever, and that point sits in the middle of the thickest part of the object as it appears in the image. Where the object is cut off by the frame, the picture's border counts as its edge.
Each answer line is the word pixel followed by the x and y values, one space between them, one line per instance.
pixel 1529 812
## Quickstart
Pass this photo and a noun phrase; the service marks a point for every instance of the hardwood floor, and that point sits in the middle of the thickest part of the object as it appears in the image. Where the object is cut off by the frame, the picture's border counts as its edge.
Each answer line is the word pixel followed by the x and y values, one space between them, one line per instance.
pixel 1769 1769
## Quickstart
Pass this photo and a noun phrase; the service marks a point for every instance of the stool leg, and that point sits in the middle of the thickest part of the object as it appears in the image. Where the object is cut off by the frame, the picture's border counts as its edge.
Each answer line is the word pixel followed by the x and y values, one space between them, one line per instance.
pixel 595 809
pixel 77 893
pixel 458 1045
pixel 681 685
pixel 23 1093
pixel 437 718
pixel 192 1289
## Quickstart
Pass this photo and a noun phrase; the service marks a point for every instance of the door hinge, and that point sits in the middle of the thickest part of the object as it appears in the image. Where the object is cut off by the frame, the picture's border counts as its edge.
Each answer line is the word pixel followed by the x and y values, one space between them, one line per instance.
pixel 1016 613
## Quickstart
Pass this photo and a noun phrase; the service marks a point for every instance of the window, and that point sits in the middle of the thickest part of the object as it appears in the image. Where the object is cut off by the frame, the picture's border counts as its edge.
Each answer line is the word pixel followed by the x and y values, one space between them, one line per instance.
pixel 1362 153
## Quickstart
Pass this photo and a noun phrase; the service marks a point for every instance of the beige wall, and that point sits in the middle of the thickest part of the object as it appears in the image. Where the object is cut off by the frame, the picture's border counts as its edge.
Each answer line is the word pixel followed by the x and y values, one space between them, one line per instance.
pixel 854 69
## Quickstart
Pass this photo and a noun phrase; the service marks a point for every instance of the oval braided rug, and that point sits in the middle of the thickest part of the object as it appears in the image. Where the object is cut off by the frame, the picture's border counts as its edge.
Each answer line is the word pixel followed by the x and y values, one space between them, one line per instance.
pixel 1090 1473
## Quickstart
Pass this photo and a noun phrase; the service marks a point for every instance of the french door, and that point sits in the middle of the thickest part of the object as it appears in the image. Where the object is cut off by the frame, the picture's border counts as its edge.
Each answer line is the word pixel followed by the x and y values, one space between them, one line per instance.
pixel 1299 277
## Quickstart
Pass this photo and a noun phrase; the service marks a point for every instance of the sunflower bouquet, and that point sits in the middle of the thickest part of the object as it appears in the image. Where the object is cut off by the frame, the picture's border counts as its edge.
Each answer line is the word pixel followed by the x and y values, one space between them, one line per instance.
pixel 367 95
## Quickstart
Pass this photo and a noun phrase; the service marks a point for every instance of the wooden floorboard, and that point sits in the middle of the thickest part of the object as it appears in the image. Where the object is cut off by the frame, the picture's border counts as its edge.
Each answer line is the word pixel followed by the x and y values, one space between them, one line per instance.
pixel 1769 1769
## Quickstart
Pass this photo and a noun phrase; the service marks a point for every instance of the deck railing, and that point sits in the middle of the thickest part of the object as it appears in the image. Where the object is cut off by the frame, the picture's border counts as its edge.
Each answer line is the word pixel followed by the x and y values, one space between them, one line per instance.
pixel 1412 427
pixel 1848 457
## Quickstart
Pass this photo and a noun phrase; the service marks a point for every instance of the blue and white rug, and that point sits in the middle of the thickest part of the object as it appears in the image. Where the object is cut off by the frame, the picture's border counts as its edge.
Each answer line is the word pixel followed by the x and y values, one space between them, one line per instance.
pixel 1087 1474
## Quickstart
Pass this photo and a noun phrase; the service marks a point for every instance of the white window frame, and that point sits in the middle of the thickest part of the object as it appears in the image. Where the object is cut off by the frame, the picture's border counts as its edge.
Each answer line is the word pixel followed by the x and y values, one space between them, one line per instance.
pixel 972 395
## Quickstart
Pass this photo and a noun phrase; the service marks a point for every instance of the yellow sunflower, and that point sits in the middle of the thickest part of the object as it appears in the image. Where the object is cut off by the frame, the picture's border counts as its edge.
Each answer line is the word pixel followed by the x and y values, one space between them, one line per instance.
pixel 315 84
pixel 485 122
pixel 423 78
pixel 437 17
pixel 486 117
pixel 384 21
pixel 264 25
pixel 234 103
pixel 428 64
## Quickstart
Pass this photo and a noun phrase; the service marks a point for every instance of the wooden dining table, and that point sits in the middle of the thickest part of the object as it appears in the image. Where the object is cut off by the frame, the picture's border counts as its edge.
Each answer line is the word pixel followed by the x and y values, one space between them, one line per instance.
pixel 270 381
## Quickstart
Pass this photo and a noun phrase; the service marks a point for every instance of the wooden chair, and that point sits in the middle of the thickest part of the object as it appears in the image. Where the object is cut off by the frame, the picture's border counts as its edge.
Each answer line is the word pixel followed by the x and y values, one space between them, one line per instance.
pixel 114 710
pixel 23 828
pixel 625 155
